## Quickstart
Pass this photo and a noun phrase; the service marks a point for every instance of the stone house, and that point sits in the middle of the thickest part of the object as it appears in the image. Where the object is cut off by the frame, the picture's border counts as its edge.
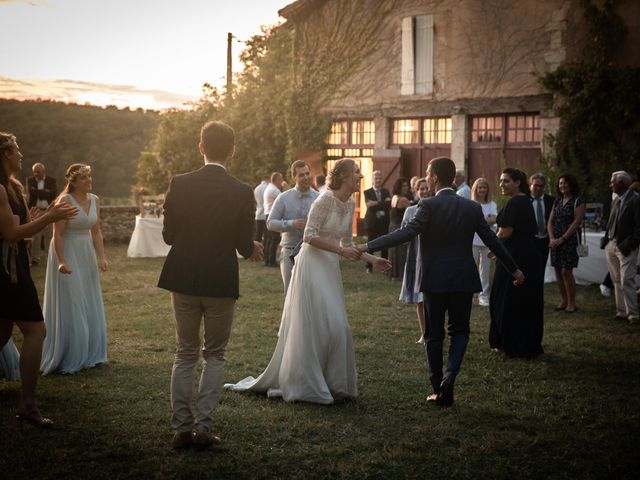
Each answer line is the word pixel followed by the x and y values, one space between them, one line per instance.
pixel 449 77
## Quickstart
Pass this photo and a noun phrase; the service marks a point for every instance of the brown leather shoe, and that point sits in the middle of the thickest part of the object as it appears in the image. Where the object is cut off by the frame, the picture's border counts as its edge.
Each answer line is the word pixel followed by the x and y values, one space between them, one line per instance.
pixel 182 440
pixel 433 398
pixel 205 439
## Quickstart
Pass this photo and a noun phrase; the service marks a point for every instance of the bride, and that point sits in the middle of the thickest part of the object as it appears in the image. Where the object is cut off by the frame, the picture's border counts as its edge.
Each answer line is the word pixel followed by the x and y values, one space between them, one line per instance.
pixel 314 359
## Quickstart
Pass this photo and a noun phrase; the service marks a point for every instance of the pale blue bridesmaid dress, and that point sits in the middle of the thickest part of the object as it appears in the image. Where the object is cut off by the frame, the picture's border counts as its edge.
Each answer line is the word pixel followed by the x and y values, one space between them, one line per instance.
pixel 9 362
pixel 73 308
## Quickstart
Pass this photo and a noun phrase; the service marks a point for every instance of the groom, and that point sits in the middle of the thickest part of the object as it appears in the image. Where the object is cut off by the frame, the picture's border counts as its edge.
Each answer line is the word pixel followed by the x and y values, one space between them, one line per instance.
pixel 208 215
pixel 446 224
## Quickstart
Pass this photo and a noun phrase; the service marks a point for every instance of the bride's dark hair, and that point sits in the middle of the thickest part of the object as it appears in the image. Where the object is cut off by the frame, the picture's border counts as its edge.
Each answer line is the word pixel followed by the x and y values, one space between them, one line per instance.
pixel 340 172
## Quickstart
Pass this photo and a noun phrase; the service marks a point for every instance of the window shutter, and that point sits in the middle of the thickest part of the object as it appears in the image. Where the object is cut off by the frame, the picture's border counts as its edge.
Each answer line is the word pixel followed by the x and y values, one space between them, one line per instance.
pixel 424 54
pixel 408 78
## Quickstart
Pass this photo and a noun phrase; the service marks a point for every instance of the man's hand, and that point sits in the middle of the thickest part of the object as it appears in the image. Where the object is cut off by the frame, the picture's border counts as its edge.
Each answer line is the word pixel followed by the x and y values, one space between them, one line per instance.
pixel 258 252
pixel 351 253
pixel 362 247
pixel 382 264
pixel 518 277
pixel 299 223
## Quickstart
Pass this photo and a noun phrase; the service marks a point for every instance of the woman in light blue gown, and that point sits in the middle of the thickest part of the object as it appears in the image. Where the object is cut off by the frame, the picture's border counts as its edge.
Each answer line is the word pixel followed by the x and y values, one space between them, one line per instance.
pixel 9 362
pixel 73 308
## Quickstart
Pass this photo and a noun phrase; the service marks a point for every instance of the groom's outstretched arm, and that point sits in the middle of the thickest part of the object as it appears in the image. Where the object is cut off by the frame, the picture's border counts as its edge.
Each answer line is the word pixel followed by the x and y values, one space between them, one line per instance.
pixel 402 235
pixel 490 239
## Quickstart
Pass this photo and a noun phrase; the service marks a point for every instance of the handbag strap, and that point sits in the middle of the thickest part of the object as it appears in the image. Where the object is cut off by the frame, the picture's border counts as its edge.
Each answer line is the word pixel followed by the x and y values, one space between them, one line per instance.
pixel 582 236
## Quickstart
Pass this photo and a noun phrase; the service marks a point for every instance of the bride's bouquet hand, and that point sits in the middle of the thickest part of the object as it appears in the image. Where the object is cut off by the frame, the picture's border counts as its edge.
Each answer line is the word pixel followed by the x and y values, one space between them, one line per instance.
pixel 64 268
pixel 351 253
pixel 382 264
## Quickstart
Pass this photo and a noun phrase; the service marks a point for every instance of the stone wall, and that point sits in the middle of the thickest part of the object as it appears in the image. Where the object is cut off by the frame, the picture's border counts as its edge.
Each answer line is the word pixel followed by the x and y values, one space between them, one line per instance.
pixel 117 222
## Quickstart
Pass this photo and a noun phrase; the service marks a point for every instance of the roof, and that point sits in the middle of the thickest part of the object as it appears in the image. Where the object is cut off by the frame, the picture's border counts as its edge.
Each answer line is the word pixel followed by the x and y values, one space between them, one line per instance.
pixel 299 9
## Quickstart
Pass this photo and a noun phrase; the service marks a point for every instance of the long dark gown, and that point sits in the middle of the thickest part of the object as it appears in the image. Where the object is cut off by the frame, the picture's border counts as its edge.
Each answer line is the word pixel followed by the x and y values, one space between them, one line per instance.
pixel 517 311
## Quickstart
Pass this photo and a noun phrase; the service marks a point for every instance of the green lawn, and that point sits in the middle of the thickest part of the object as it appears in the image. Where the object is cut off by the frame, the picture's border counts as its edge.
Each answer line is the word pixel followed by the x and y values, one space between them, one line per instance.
pixel 573 413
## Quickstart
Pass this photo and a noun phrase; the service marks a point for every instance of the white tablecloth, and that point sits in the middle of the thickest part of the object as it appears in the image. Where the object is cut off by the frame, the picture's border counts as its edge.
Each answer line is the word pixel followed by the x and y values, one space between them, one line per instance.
pixel 146 240
pixel 591 269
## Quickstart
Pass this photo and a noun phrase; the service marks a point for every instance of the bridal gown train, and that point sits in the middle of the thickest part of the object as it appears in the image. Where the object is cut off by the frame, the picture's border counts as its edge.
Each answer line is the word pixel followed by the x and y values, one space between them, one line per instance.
pixel 314 360
pixel 73 308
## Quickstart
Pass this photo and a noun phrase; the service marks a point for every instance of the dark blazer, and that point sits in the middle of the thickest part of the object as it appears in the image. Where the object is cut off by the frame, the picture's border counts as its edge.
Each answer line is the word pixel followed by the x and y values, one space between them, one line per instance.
pixel 628 231
pixel 548 202
pixel 372 222
pixel 49 193
pixel 446 224
pixel 208 214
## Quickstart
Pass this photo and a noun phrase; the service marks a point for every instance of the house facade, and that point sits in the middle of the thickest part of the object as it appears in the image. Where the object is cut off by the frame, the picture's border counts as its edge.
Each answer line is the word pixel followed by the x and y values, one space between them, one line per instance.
pixel 450 77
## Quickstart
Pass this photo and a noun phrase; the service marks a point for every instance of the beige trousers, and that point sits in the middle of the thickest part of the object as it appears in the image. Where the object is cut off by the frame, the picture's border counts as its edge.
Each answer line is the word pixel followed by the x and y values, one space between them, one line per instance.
pixel 623 276
pixel 188 313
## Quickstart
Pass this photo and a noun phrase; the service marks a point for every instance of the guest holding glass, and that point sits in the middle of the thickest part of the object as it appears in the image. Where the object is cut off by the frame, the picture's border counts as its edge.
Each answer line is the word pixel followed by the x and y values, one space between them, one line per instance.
pixel 563 228
pixel 410 291
pixel 480 193
pixel 19 302
pixel 517 311
pixel 399 203
pixel 73 307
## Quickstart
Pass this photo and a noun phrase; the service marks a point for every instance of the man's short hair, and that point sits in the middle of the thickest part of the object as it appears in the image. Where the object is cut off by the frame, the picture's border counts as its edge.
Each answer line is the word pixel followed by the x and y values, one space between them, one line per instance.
pixel 445 170
pixel 320 180
pixel 376 172
pixel 297 164
pixel 38 164
pixel 218 140
pixel 460 173
pixel 537 176
pixel 622 176
pixel 275 176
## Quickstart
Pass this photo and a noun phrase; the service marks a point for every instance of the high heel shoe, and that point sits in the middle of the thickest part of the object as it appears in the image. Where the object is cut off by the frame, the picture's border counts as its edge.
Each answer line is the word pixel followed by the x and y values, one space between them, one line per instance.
pixel 35 418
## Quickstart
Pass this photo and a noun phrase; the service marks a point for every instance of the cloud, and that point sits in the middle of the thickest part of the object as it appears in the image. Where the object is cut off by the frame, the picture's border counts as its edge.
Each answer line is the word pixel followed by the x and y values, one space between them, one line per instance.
pixel 76 91
pixel 34 3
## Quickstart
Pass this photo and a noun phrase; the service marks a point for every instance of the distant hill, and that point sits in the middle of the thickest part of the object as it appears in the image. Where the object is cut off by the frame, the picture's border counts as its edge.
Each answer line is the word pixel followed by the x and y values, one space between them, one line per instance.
pixel 59 134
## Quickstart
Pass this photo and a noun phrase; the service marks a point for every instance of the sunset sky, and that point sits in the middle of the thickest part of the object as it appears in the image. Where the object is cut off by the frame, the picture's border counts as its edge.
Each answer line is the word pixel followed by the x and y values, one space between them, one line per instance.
pixel 136 53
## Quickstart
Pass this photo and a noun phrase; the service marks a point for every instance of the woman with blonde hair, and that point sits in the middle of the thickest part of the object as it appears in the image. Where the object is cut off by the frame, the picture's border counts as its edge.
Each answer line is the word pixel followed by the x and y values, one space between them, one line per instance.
pixel 481 194
pixel 314 360
pixel 73 307
pixel 19 302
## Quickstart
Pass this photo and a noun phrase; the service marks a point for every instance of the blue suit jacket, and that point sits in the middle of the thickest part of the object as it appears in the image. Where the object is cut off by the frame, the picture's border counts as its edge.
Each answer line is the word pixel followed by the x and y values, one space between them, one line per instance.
pixel 446 224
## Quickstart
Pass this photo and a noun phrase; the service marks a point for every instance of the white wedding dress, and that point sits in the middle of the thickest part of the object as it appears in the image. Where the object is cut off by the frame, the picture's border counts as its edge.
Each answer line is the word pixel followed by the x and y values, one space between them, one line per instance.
pixel 314 359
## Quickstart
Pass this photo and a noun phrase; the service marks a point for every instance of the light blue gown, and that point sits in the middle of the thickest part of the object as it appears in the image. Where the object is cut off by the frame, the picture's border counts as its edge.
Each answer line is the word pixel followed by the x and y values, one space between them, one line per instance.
pixel 9 362
pixel 73 308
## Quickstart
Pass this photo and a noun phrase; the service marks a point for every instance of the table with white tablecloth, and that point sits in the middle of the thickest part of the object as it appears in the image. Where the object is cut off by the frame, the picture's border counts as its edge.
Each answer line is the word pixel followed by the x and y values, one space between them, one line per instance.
pixel 591 269
pixel 146 240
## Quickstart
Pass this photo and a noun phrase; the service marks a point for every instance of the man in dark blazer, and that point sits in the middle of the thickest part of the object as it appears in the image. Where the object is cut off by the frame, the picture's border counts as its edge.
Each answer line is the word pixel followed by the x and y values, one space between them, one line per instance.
pixel 621 241
pixel 446 224
pixel 208 215
pixel 542 206
pixel 376 220
pixel 41 192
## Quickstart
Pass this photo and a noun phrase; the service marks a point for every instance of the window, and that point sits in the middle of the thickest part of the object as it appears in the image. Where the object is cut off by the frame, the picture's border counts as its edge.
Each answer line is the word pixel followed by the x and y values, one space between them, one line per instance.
pixel 436 130
pixel 406 131
pixel 487 129
pixel 338 134
pixel 417 55
pixel 363 132
pixel 523 128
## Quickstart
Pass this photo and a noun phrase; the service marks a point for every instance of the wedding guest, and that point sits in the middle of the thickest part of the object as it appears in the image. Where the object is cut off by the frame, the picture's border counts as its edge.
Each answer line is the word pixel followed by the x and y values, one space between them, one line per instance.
pixel 399 203
pixel 42 191
pixel 288 216
pixel 201 273
pixel 77 330
pixel 460 182
pixel 19 302
pixel 563 228
pixel 621 241
pixel 261 221
pixel 9 362
pixel 542 207
pixel 314 360
pixel 517 311
pixel 410 291
pixel 481 194
pixel 376 220
pixel 271 238
pixel 413 188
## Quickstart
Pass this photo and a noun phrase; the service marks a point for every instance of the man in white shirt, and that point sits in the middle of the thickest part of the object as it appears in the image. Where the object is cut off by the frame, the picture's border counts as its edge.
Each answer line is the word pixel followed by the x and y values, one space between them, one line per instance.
pixel 460 182
pixel 261 221
pixel 288 216
pixel 42 191
pixel 271 239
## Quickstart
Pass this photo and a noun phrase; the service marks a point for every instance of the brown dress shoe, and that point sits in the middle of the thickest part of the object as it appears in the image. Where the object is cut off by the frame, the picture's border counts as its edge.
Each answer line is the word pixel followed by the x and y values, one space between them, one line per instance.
pixel 182 440
pixel 433 398
pixel 205 439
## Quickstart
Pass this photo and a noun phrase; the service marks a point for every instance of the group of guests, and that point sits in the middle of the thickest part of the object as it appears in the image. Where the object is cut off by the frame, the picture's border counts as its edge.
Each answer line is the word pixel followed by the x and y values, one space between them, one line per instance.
pixel 69 332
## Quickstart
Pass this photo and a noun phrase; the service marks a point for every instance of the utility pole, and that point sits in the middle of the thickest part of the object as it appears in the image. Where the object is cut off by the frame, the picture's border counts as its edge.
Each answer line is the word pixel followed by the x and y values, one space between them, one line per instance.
pixel 229 69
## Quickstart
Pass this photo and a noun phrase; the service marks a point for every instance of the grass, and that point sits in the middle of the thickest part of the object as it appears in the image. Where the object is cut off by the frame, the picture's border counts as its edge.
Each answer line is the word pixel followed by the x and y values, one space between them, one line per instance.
pixel 573 413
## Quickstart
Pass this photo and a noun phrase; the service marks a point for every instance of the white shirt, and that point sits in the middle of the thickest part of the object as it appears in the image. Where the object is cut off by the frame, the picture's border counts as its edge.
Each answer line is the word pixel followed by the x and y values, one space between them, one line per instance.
pixel 487 209
pixel 258 193
pixel 271 192
pixel 464 191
